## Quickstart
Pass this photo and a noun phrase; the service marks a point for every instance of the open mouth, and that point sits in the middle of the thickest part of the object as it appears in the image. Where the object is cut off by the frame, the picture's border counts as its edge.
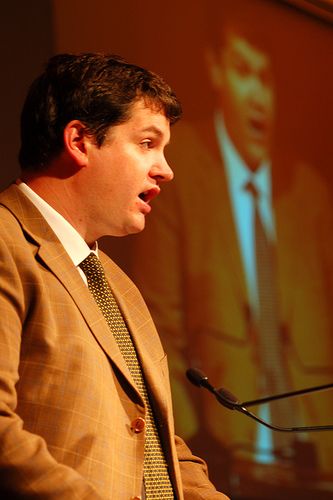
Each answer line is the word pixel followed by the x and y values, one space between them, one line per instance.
pixel 257 124
pixel 148 195
pixel 144 196
pixel 258 128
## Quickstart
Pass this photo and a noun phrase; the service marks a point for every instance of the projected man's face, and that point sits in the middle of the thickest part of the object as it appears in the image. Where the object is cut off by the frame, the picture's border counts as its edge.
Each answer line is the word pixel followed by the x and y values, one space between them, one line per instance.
pixel 247 98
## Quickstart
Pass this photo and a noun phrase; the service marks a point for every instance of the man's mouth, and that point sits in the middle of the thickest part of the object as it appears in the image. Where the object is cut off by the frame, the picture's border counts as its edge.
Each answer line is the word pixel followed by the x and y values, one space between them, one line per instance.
pixel 258 128
pixel 143 195
pixel 148 195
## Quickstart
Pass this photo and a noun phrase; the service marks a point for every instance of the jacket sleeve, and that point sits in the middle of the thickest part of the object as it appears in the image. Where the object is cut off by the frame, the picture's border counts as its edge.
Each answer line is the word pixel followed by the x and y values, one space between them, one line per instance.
pixel 27 469
pixel 196 484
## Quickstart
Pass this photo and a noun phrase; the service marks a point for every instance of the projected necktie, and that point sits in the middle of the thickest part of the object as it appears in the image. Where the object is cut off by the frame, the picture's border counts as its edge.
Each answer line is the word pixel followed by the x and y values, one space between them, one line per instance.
pixel 156 476
pixel 270 344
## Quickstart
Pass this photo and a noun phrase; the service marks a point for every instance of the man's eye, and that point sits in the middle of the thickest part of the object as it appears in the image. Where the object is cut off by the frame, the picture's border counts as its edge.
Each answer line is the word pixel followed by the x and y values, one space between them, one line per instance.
pixel 241 67
pixel 146 144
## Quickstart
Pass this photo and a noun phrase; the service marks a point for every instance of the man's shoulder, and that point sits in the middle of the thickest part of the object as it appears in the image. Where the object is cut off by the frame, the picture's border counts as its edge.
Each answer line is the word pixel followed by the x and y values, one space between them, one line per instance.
pixel 11 203
pixel 300 180
pixel 11 212
pixel 9 193
pixel 8 217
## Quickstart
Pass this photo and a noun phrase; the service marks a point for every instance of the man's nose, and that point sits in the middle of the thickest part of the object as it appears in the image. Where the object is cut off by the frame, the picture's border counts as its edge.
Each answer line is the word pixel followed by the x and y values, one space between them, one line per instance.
pixel 259 92
pixel 162 172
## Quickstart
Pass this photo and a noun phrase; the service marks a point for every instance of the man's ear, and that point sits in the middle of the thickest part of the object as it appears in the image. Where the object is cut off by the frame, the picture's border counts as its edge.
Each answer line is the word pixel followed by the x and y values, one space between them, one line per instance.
pixel 75 142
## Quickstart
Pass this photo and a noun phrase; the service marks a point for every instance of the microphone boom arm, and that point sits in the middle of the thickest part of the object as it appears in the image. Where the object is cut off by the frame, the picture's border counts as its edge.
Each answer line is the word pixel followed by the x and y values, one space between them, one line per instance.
pixel 228 400
pixel 287 395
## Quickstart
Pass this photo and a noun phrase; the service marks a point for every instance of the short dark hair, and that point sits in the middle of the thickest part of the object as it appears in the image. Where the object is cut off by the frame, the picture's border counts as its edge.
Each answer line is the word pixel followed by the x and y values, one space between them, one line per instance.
pixel 97 89
pixel 254 20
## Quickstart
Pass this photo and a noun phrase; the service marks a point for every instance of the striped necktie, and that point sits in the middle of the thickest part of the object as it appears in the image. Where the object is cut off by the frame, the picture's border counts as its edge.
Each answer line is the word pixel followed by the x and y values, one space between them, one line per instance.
pixel 274 371
pixel 155 470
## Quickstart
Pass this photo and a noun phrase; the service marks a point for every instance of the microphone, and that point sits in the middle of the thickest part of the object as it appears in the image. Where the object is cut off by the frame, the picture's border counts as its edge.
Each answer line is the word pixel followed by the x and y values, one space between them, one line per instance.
pixel 228 400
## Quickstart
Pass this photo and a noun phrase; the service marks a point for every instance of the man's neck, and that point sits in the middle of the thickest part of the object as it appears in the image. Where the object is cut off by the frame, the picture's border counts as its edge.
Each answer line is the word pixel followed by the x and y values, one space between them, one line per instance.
pixel 60 194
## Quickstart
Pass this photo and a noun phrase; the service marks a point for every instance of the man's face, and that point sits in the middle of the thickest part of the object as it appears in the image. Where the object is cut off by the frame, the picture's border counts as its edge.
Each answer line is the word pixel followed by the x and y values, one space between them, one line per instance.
pixel 125 172
pixel 247 98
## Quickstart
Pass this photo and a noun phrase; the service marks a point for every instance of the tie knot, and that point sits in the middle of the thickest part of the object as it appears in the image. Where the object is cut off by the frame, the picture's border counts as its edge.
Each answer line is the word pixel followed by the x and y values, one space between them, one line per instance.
pixel 91 266
pixel 251 188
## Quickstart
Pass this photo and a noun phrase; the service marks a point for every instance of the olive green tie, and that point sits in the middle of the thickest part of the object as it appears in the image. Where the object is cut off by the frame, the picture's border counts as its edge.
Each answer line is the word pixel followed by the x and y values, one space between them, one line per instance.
pixel 155 470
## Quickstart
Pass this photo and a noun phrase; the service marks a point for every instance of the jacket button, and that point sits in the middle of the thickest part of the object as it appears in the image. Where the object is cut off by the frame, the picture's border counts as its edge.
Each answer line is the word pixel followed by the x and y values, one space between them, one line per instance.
pixel 135 498
pixel 138 426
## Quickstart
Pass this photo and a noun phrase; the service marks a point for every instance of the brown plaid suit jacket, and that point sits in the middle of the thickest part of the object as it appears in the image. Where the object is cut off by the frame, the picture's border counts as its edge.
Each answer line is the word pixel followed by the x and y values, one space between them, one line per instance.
pixel 67 399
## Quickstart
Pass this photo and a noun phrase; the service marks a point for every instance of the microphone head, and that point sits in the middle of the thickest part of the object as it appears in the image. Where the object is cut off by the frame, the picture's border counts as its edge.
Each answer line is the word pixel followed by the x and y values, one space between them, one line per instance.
pixel 227 398
pixel 196 377
pixel 199 379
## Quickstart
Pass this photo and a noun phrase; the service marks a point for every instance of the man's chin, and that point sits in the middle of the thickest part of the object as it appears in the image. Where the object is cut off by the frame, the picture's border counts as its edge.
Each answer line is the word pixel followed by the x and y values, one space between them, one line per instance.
pixel 126 231
pixel 131 225
pixel 136 227
pixel 255 157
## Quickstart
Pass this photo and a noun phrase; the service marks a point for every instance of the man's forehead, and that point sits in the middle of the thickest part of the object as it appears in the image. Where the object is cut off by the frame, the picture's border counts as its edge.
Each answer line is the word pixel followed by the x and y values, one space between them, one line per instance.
pixel 238 45
pixel 144 118
pixel 147 105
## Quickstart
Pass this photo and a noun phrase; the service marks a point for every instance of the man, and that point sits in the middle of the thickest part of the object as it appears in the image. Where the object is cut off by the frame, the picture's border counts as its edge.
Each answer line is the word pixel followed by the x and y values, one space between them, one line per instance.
pixel 84 392
pixel 205 296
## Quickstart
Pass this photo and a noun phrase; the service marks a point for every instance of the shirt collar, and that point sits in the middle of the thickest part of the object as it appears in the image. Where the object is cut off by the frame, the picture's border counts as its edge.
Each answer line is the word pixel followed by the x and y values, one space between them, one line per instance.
pixel 236 169
pixel 71 240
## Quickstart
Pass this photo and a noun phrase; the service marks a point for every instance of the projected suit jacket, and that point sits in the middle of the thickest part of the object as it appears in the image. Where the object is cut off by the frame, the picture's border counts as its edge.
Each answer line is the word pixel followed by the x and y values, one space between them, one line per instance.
pixel 67 399
pixel 188 266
